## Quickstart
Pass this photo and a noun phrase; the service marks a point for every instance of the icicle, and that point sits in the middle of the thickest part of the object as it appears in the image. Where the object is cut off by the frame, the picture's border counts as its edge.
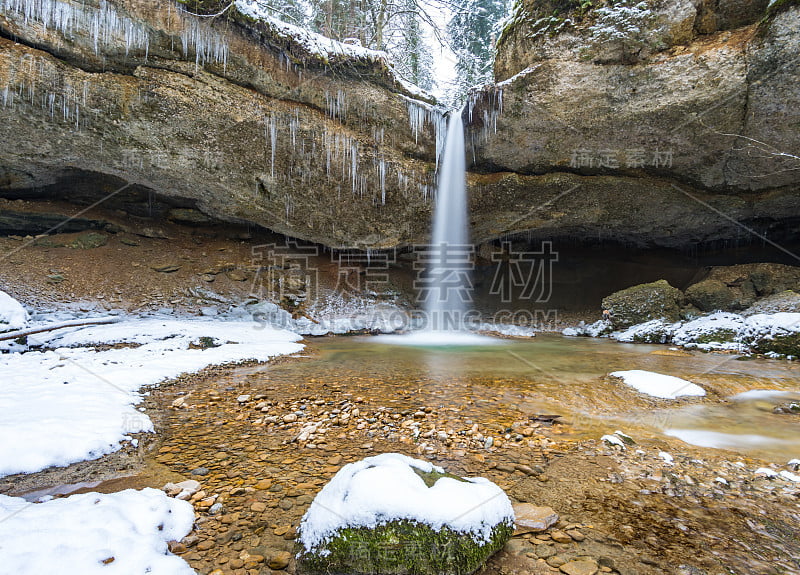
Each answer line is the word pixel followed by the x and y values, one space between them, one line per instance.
pixel 419 114
pixel 382 178
pixel 103 24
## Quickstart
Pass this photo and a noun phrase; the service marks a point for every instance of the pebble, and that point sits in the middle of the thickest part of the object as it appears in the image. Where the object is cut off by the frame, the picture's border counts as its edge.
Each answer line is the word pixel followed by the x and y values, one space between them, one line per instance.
pixel 258 507
pixel 243 398
pixel 280 560
pixel 560 537
pixel 200 471
pixel 544 551
pixel 580 567
pixel 530 518
pixel 576 535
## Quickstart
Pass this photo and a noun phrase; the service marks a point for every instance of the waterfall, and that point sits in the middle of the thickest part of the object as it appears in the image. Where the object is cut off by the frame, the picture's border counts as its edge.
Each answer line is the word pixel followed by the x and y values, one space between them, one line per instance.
pixel 449 256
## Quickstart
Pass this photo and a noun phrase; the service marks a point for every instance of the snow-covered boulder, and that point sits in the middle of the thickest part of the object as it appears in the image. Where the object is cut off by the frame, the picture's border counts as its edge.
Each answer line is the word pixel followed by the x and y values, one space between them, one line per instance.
pixel 599 328
pixel 777 333
pixel 653 331
pixel 12 314
pixel 395 514
pixel 719 330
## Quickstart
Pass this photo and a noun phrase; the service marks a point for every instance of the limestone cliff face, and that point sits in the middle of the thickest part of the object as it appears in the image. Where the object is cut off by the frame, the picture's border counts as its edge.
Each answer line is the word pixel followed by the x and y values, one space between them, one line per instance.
pixel 659 123
pixel 231 116
pixel 667 136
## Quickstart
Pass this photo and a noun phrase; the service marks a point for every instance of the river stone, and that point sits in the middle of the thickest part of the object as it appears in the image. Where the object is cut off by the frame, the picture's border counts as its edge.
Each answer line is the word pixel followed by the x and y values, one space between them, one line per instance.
pixel 582 567
pixel 530 518
pixel 88 241
pixel 785 301
pixel 393 521
pixel 644 302
pixel 280 560
pixel 710 295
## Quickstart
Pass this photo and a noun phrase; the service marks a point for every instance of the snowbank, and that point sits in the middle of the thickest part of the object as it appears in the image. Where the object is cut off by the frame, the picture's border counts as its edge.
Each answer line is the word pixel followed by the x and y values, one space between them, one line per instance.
pixel 720 330
pixel 12 315
pixel 659 385
pixel 71 404
pixel 773 334
pixel 596 329
pixel 123 533
pixel 653 331
pixel 385 488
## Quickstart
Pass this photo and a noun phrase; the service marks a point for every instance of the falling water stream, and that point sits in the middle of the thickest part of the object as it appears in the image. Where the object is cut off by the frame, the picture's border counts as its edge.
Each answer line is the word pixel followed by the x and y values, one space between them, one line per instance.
pixel 447 272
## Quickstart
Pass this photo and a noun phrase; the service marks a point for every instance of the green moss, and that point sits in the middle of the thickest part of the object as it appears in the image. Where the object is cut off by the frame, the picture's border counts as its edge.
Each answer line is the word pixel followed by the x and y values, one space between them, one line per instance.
pixel 659 334
pixel 402 547
pixel 719 335
pixel 641 303
pixel 431 477
pixel 781 5
pixel 788 344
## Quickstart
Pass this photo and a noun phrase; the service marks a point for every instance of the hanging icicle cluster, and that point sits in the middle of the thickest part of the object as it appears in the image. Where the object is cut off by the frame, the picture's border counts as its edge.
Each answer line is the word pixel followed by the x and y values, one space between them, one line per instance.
pixel 103 24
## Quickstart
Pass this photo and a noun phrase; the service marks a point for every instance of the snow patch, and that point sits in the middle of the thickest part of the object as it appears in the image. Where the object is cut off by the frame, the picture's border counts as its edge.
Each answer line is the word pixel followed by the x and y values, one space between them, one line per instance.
pixel 653 331
pixel 696 332
pixel 120 533
pixel 385 488
pixel 659 385
pixel 12 315
pixel 72 403
pixel 614 440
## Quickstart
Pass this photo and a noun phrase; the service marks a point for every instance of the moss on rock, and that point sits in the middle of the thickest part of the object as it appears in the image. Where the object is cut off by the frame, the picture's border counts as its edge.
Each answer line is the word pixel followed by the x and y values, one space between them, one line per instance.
pixel 710 295
pixel 787 344
pixel 402 547
pixel 717 336
pixel 644 302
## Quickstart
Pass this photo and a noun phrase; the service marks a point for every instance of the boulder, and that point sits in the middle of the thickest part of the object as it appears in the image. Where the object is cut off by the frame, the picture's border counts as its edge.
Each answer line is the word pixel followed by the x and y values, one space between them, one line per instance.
pixel 785 301
pixel 531 518
pixel 394 514
pixel 716 329
pixel 710 295
pixel 644 302
pixel 777 333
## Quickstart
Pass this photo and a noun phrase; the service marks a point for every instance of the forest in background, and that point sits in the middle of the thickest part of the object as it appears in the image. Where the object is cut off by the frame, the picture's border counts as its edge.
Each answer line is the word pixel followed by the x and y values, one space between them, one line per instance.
pixel 412 32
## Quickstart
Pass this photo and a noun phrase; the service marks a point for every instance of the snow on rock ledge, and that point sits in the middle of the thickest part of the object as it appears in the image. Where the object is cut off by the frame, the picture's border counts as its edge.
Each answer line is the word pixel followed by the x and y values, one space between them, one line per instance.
pixel 315 44
pixel 443 522
pixel 659 385
pixel 122 533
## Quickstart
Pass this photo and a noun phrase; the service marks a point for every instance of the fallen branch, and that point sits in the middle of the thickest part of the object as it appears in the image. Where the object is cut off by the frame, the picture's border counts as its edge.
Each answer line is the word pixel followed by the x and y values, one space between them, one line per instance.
pixel 74 323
